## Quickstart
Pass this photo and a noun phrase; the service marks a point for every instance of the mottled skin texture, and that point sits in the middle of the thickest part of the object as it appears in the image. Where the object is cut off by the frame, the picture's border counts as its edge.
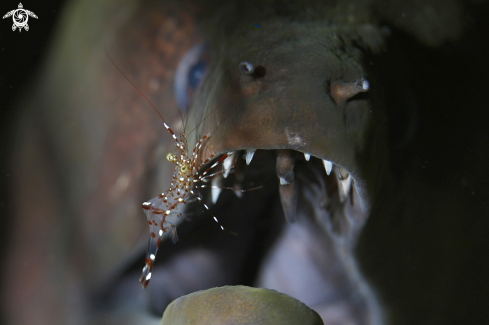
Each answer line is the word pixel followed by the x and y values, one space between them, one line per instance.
pixel 90 150
pixel 254 306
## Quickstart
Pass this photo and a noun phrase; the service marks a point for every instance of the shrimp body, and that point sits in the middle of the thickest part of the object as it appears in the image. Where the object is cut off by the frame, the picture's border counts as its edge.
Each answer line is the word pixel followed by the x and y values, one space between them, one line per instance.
pixel 185 174
pixel 165 204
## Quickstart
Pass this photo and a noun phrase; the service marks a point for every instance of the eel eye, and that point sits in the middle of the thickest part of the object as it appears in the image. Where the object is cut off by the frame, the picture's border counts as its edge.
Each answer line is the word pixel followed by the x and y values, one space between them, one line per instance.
pixel 190 72
pixel 171 157
pixel 184 169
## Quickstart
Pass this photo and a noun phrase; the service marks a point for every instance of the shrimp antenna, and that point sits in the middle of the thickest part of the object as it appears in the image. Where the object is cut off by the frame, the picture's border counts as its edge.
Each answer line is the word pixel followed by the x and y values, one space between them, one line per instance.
pixel 139 90
pixel 185 116
pixel 224 102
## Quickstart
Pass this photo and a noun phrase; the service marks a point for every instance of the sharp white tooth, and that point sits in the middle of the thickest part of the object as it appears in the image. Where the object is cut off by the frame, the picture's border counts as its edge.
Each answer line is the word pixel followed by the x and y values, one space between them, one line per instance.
pixel 216 191
pixel 328 166
pixel 249 155
pixel 227 164
pixel 344 184
pixel 307 156
pixel 238 193
pixel 226 173
pixel 283 181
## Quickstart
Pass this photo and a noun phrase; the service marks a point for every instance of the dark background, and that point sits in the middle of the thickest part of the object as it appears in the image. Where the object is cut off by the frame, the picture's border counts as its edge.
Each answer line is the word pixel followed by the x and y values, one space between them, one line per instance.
pixel 21 55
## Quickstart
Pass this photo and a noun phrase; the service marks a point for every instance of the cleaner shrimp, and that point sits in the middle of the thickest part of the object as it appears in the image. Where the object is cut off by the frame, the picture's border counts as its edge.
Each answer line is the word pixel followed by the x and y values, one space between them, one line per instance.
pixel 181 190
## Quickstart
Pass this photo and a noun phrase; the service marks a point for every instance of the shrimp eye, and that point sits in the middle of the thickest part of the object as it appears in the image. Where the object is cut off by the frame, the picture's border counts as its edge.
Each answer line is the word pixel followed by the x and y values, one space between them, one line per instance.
pixel 184 168
pixel 170 157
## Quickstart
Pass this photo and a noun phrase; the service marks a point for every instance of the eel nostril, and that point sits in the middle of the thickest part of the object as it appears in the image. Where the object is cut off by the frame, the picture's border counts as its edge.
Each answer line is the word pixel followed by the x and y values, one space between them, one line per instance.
pixel 246 68
pixel 362 85
pixel 342 91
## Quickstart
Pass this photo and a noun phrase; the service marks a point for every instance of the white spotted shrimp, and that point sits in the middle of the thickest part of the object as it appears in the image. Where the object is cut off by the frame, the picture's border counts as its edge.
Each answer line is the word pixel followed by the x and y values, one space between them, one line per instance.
pixel 185 174
pixel 180 191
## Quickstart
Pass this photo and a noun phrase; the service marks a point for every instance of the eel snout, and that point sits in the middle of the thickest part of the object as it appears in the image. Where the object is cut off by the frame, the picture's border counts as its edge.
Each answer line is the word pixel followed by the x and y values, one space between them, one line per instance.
pixel 342 91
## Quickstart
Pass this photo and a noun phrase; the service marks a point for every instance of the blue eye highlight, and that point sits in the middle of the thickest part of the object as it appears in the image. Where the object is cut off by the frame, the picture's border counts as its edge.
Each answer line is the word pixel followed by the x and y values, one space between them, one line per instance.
pixel 190 73
pixel 196 73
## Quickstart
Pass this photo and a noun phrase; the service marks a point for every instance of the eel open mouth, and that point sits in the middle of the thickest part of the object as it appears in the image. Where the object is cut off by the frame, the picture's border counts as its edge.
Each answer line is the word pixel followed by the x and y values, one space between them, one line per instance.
pixel 313 250
pixel 303 180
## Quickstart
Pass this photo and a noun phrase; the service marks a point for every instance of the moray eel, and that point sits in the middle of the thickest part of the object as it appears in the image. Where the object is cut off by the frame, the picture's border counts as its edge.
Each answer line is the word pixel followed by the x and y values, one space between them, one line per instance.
pixel 283 92
pixel 287 90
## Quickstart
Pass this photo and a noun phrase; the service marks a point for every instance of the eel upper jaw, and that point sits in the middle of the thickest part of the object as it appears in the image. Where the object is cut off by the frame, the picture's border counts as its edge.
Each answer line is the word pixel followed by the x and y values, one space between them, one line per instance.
pixel 319 134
